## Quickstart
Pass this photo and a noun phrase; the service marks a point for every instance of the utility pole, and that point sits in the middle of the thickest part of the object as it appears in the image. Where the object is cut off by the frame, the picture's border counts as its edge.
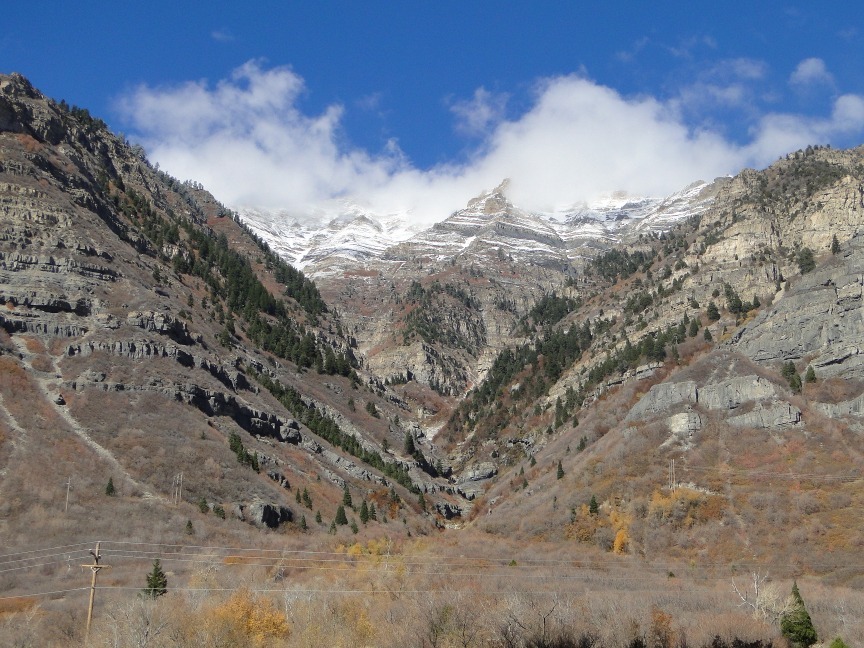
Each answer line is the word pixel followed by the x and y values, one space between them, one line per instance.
pixel 95 567
pixel 68 486
pixel 177 489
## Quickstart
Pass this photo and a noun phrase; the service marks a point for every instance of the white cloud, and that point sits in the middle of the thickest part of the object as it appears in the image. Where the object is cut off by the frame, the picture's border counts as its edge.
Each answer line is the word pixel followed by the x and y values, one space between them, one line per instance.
pixel 222 35
pixel 247 141
pixel 811 72
pixel 477 115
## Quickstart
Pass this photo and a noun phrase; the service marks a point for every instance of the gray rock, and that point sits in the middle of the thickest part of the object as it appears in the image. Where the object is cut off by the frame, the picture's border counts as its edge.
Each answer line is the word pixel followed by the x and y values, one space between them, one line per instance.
pixel 479 472
pixel 660 398
pixel 264 514
pixel 729 394
pixel 854 407
pixel 447 510
pixel 772 415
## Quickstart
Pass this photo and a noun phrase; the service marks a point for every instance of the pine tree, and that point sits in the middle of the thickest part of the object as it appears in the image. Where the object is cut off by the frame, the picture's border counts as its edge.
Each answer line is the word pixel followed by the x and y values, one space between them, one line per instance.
pixel 713 313
pixel 109 488
pixel 421 500
pixel 707 334
pixel 157 582
pixel 317 517
pixel 364 512
pixel 303 525
pixel 533 461
pixel 341 518
pixel 410 449
pixel 560 472
pixel 203 506
pixel 332 530
pixel 795 624
pixel 835 245
pixel 593 507
pixel 694 327
pixel 810 376
pixel 373 515
pixel 190 530
pixel 354 528
pixel 307 499
pixel 346 497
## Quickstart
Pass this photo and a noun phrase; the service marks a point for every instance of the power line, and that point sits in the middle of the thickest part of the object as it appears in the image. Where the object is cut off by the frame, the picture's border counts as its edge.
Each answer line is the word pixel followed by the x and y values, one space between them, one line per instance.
pixel 35 594
pixel 21 553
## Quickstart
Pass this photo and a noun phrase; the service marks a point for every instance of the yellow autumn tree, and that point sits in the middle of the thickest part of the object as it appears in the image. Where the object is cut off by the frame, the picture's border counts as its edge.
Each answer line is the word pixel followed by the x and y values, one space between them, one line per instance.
pixel 619 546
pixel 253 617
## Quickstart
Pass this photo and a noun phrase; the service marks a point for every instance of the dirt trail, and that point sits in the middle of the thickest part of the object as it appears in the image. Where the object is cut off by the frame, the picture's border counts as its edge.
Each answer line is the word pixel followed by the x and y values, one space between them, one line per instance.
pixel 49 386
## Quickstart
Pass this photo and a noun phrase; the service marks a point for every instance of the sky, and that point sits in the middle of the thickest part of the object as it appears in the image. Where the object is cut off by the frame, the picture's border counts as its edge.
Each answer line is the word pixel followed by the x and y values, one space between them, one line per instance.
pixel 418 106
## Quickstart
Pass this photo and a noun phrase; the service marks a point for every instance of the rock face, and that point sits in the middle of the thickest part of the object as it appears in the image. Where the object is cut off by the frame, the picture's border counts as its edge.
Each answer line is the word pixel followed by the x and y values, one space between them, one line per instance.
pixel 725 397
pixel 265 514
pixel 822 319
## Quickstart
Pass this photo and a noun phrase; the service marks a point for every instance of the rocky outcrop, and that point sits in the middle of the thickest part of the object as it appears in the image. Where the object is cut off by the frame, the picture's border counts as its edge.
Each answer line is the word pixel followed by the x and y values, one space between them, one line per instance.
pixel 661 398
pixel 821 316
pixel 264 514
pixel 853 407
pixel 768 416
pixel 730 394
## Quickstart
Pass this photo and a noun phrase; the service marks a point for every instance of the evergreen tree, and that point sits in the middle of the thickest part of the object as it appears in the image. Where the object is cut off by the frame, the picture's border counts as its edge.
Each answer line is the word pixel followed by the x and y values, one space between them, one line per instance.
pixel 533 461
pixel 307 499
pixel 203 506
pixel 354 528
pixel 421 500
pixel 190 530
pixel 810 376
pixel 303 525
pixel 838 643
pixel 346 497
pixel 795 624
pixel 157 582
pixel 341 518
pixel 707 334
pixel 713 313
pixel 593 507
pixel 806 262
pixel 835 248
pixel 560 473
pixel 364 512
pixel 373 515
pixel 317 517
pixel 694 327
pixel 332 530
pixel 410 449
pixel 297 496
pixel 109 488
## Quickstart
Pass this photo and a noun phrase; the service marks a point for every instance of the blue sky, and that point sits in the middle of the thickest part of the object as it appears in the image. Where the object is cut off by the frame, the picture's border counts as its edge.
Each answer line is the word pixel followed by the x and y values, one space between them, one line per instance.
pixel 421 105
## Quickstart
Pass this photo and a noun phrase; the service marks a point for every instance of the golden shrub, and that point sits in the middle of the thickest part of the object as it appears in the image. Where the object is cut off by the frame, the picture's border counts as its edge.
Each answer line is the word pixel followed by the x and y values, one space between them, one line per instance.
pixel 253 617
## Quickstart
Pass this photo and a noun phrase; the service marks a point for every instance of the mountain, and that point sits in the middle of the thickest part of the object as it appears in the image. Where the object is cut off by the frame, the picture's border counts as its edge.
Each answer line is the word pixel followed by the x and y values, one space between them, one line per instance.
pixel 347 234
pixel 638 396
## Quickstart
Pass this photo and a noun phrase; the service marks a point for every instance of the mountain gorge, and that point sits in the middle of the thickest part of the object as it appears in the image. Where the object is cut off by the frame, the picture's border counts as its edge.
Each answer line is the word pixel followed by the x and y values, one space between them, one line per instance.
pixel 656 384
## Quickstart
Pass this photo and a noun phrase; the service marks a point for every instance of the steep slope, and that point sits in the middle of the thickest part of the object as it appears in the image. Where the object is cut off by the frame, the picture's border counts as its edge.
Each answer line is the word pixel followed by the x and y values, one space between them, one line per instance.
pixel 729 345
pixel 147 338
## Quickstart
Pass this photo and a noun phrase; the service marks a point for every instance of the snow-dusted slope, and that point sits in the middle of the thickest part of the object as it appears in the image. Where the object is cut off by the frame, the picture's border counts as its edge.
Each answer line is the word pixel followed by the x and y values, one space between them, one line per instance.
pixel 344 235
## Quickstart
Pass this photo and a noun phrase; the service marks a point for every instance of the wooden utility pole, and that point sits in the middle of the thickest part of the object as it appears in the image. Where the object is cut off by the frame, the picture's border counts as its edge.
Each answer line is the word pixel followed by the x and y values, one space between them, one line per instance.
pixel 177 489
pixel 68 486
pixel 95 567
